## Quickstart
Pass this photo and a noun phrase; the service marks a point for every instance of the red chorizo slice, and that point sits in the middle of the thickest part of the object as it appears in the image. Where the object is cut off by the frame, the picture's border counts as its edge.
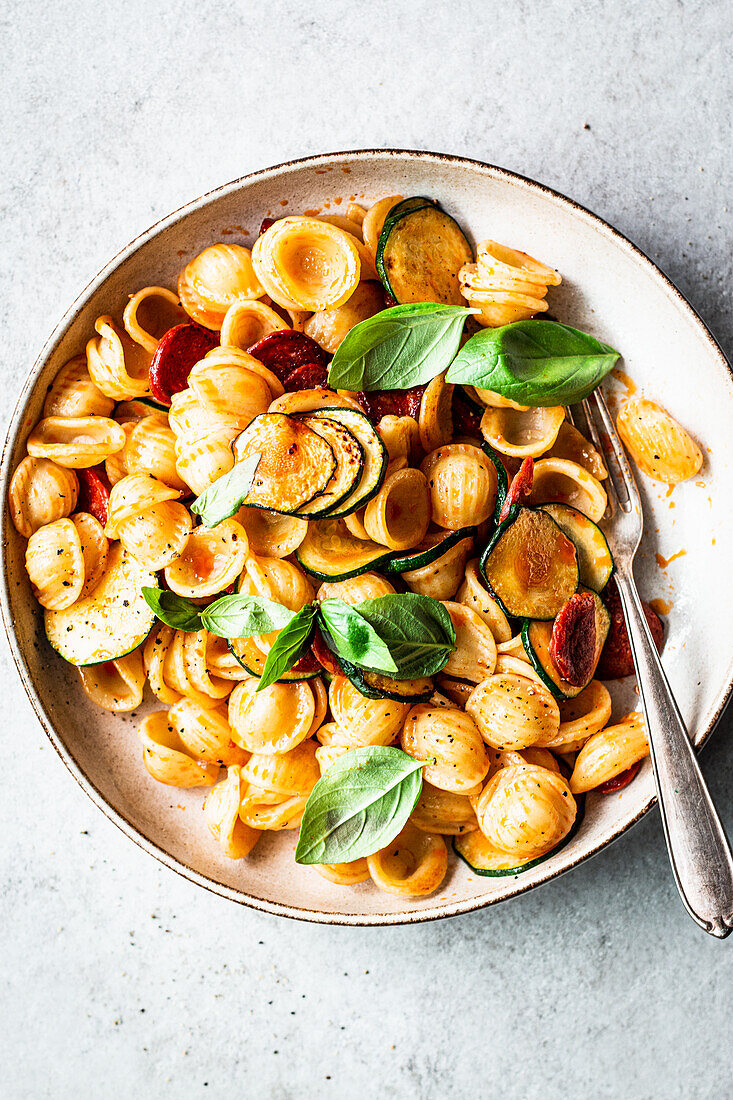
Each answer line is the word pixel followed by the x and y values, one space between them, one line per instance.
pixel 94 493
pixel 619 781
pixel 284 351
pixel 308 377
pixel 466 420
pixel 175 356
pixel 379 403
pixel 324 656
pixel 573 641
pixel 520 488
pixel 616 660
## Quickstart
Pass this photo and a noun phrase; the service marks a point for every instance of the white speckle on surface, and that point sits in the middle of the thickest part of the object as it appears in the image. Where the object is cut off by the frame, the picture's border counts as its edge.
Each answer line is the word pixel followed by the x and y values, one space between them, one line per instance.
pixel 121 979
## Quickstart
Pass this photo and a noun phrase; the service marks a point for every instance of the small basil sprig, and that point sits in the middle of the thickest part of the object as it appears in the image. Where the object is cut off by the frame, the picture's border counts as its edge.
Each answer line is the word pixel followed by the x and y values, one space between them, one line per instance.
pixel 417 630
pixel 240 616
pixel 534 363
pixel 289 646
pixel 175 611
pixel 225 495
pixel 400 347
pixel 359 805
pixel 350 635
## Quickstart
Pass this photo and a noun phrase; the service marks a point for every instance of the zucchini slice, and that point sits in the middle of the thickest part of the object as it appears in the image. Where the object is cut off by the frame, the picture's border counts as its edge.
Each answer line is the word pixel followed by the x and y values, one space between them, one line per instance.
pixel 375 685
pixel 375 457
pixel 433 546
pixel 483 859
pixel 530 566
pixel 502 478
pixel 253 660
pixel 595 561
pixel 111 622
pixel 349 457
pixel 330 552
pixel 536 638
pixel 421 249
pixel 296 465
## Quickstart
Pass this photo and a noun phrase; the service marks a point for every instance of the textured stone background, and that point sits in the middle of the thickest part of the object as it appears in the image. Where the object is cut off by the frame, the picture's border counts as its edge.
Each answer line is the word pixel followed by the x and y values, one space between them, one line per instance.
pixel 121 980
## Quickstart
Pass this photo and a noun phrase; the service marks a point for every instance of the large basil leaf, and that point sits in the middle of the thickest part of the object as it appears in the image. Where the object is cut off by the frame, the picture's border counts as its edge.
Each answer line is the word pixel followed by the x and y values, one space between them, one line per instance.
pixel 353 637
pixel 400 347
pixel 289 646
pixel 225 495
pixel 361 803
pixel 534 362
pixel 175 611
pixel 417 630
pixel 240 616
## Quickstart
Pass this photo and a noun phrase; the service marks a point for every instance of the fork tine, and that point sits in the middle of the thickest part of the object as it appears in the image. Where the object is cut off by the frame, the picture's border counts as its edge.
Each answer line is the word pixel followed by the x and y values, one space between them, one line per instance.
pixel 619 469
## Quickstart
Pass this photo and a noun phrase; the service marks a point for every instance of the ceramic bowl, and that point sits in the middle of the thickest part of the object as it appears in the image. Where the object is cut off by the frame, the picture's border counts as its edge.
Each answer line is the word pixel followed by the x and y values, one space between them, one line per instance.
pixel 609 288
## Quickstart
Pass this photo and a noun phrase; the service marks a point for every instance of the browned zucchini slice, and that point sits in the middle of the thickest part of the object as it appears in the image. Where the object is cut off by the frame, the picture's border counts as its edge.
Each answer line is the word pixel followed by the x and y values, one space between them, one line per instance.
pixel 331 553
pixel 296 465
pixel 420 252
pixel 530 566
pixel 349 457
pixel 375 685
pixel 253 659
pixel 536 637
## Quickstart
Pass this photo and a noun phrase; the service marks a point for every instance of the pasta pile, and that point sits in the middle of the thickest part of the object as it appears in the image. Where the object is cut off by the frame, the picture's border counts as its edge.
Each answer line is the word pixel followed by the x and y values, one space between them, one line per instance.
pixel 109 477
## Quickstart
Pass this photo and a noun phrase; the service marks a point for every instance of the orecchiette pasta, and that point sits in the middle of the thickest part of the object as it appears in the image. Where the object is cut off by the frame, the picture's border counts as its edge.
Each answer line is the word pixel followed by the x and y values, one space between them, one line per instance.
pixel 474 594
pixel 609 752
pixel 525 810
pixel 117 364
pixel 512 712
pixel 412 865
pixel 150 314
pixel 55 564
pixel 210 561
pixel 435 419
pixel 115 685
pixel 307 264
pixel 399 514
pixel 94 548
pixel 221 813
pixel 361 721
pixel 76 442
pixel 41 492
pixel 505 284
pixel 522 434
pixel 441 578
pixel 329 326
pixel 73 393
pixel 344 874
pixel 247 322
pixel 146 517
pixel 274 720
pixel 462 484
pixel 558 479
pixel 451 738
pixel 166 757
pixel 270 534
pixel 206 733
pixel 443 812
pixel 151 449
pixel 373 221
pixel 214 279
pixel 474 657
pixel 657 443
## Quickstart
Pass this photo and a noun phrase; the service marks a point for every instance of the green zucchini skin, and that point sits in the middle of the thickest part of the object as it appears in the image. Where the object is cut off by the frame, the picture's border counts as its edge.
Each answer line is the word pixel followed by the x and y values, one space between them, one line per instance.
pixel 316 509
pixel 502 481
pixel 319 564
pixel 405 562
pixel 365 682
pixel 375 457
pixel 486 873
pixel 595 560
pixel 416 279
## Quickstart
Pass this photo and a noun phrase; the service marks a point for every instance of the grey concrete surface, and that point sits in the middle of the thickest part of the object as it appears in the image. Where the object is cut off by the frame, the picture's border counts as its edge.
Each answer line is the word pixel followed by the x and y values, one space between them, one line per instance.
pixel 120 980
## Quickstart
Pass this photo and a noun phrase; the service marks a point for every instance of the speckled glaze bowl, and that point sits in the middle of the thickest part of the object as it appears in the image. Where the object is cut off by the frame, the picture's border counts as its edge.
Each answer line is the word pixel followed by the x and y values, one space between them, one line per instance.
pixel 609 288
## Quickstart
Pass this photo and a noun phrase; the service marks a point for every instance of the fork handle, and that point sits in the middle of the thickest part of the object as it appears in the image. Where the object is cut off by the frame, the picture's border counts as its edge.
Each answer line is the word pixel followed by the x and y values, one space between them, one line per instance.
pixel 699 850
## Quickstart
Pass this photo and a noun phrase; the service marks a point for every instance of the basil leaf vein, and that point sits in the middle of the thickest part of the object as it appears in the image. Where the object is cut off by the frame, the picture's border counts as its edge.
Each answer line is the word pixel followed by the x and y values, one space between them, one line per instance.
pixel 175 611
pixel 354 637
pixel 241 616
pixel 359 805
pixel 225 495
pixel 417 630
pixel 289 646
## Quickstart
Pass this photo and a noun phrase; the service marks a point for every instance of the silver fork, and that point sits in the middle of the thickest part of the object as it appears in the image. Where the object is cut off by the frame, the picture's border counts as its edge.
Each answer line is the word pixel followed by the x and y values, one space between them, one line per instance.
pixel 699 850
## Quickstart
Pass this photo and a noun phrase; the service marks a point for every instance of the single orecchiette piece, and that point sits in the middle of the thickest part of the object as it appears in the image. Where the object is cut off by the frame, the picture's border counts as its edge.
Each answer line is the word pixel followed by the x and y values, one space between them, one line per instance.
pixel 443 812
pixel 435 418
pixel 206 733
pixel 221 813
pixel 441 578
pixel 474 595
pixel 505 284
pixel 115 685
pixel 302 401
pixel 94 548
pixel 177 668
pixel 76 442
pixel 492 399
pixel 609 752
pixel 354 229
pixel 451 738
pixel 581 717
pixel 292 773
pixel 247 322
pixel 373 221
pixel 560 479
pixel 155 652
pixel 361 721
pixel 344 874
pixel 522 434
pixel 307 264
pixel 400 435
pixel 212 559
pixel 55 564
pixel 73 393
pixel 474 657
pixel 41 492
pixel 517 666
pixel 166 758
pixel 150 314
pixel 399 515
pixel 328 327
pixel 212 281
pixel 270 812
pixel 512 712
pixel 146 517
pixel 270 534
pixel 117 365
pixel 659 446
pixel 572 445
pixel 367 586
pixel 151 449
pixel 525 810
pixel 274 720
pixel 463 485
pixel 412 865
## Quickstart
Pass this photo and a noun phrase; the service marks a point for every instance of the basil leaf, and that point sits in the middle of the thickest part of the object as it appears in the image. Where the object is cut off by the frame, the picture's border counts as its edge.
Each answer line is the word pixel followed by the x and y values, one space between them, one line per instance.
pixel 173 610
pixel 289 646
pixel 354 638
pixel 400 347
pixel 534 362
pixel 240 616
pixel 417 629
pixel 225 495
pixel 361 803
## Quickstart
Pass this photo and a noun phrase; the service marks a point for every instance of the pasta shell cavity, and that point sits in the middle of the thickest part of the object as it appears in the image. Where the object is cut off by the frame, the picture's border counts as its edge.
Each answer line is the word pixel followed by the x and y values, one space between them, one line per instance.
pixel 475 596
pixel 41 492
pixel 216 278
pixel 211 560
pixel 150 314
pixel 73 393
pixel 609 752
pixel 505 284
pixel 247 322
pixel 399 515
pixel 463 485
pixel 659 446
pixel 452 739
pixel 55 565
pixel 441 578
pixel 271 534
pixel 166 758
pixel 558 479
pixel 221 813
pixel 115 685
pixel 474 657
pixel 412 865
pixel 274 720
pixel 117 365
pixel 512 712
pixel 76 442
pixel 522 434
pixel 525 810
pixel 328 327
pixel 443 812
pixel 307 264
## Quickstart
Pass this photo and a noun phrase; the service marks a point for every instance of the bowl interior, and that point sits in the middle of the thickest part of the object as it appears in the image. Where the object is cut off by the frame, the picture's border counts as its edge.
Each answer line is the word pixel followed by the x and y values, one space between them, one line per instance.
pixel 608 288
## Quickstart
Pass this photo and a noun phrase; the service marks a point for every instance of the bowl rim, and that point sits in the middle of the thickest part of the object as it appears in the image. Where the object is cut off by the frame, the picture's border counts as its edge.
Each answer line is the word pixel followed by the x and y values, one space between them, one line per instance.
pixel 439 910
